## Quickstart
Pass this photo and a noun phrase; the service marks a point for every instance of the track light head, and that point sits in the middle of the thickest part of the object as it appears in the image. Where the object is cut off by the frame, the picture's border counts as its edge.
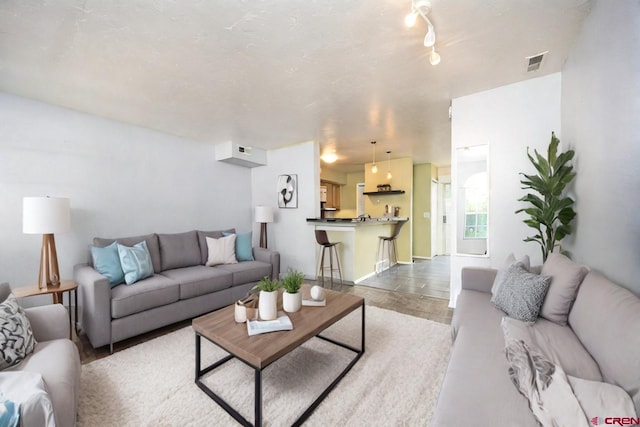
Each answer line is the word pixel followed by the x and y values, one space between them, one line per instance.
pixel 434 57
pixel 430 38
pixel 410 19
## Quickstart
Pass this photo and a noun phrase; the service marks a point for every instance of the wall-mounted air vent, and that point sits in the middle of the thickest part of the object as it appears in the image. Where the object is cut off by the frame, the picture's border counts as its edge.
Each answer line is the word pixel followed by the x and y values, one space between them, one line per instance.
pixel 535 61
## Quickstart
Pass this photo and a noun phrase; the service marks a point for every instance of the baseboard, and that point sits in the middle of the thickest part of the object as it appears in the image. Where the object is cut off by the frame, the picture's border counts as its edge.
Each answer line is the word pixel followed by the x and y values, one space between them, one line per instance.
pixel 423 257
pixel 363 278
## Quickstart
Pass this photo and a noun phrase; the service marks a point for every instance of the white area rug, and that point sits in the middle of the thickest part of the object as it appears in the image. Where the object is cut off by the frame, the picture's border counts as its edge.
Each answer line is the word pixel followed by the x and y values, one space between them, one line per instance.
pixel 396 382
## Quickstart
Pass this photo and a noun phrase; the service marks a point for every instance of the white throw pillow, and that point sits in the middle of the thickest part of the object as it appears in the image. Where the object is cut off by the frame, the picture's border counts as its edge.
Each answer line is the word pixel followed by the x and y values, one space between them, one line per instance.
pixel 221 251
pixel 601 399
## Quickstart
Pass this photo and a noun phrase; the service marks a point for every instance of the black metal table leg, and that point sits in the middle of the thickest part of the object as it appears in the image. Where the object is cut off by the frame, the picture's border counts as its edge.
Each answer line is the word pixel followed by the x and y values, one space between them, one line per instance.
pixel 258 399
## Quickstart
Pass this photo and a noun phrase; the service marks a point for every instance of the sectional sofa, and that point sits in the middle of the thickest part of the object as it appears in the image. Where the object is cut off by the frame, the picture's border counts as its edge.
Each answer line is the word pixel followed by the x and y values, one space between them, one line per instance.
pixel 181 286
pixel 597 340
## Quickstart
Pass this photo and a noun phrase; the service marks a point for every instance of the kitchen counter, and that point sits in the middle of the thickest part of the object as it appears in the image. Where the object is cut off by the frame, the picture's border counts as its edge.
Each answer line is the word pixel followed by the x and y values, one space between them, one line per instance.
pixel 359 242
pixel 358 221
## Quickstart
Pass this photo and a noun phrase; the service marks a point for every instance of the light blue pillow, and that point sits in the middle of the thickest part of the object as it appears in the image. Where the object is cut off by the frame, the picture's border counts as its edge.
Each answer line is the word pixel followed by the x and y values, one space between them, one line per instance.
pixel 244 250
pixel 107 261
pixel 136 262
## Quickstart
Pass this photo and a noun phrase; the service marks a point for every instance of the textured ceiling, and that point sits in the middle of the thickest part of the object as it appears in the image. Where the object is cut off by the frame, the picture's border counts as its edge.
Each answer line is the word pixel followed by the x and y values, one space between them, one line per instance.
pixel 274 73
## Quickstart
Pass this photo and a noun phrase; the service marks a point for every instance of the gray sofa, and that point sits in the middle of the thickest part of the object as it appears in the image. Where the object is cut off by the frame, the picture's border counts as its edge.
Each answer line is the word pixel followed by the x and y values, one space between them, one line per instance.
pixel 55 357
pixel 182 287
pixel 601 340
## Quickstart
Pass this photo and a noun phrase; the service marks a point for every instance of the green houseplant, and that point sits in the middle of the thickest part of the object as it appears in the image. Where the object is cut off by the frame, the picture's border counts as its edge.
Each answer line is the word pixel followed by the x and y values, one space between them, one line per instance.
pixel 292 297
pixel 268 300
pixel 267 285
pixel 550 210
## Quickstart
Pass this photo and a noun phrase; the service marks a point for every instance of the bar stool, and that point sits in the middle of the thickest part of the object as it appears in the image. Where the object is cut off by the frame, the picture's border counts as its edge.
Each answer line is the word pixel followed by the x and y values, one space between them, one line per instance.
pixel 323 240
pixel 392 246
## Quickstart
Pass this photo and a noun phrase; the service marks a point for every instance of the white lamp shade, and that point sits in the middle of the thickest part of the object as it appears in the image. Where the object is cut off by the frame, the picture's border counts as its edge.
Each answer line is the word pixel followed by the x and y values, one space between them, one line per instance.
pixel 264 214
pixel 45 215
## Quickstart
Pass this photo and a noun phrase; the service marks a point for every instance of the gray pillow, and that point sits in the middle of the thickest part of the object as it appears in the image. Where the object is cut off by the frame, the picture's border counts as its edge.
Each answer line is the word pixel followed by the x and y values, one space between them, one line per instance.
pixel 511 259
pixel 522 293
pixel 16 338
pixel 566 277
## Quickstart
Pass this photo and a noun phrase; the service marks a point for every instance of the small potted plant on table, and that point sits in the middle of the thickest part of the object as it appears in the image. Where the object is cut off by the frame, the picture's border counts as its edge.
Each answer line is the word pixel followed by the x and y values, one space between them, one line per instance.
pixel 268 300
pixel 292 297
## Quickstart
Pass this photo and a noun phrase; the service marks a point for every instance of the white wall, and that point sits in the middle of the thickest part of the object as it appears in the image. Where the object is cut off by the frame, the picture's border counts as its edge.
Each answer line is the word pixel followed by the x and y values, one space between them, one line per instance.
pixel 290 234
pixel 122 180
pixel 600 117
pixel 509 119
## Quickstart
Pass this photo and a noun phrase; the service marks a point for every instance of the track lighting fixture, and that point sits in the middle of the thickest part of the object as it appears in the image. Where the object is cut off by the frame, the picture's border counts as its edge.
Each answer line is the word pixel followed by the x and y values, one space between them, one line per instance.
pixel 422 8
pixel 434 57
pixel 374 168
pixel 389 176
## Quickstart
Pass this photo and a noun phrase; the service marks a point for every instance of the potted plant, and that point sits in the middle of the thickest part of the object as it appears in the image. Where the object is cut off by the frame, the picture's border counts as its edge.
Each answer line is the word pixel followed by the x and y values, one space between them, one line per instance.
pixel 268 300
pixel 292 297
pixel 550 212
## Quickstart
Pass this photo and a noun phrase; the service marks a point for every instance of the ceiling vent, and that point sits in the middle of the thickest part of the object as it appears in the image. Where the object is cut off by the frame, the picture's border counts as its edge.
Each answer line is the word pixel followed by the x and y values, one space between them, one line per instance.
pixel 535 61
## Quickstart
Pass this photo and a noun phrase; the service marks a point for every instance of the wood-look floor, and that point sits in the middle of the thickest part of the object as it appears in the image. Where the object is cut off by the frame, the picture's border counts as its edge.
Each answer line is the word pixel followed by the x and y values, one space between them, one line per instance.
pixel 401 289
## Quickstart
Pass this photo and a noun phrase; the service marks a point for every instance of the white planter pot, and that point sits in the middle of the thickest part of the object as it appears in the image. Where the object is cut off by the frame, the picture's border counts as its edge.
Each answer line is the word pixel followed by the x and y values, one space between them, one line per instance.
pixel 268 305
pixel 291 302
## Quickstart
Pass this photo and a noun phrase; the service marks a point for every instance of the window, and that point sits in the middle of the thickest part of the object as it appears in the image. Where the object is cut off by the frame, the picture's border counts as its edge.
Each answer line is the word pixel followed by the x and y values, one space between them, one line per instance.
pixel 476 206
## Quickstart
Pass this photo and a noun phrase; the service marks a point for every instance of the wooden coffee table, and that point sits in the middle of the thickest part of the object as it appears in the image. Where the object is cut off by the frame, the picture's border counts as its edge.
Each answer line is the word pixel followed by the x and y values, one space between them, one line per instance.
pixel 259 351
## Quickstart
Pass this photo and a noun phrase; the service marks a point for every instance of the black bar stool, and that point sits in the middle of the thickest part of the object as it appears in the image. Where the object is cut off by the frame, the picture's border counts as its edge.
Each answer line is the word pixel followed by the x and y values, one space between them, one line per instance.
pixel 392 246
pixel 323 240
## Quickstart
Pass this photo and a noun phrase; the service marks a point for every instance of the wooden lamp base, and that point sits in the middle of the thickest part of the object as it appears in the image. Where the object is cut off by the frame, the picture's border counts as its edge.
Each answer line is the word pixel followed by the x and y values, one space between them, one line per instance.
pixel 49 273
pixel 263 235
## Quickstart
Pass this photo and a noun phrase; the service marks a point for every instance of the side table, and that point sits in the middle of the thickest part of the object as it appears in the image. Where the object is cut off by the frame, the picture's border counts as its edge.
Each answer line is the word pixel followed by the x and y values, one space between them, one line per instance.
pixel 57 293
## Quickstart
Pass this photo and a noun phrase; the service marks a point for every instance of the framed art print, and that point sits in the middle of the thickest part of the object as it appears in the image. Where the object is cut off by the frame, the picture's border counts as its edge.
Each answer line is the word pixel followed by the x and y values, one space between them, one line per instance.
pixel 288 191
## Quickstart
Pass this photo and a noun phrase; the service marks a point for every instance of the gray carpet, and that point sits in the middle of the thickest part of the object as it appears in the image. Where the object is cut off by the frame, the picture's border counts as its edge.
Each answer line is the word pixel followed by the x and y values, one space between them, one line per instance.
pixel 396 382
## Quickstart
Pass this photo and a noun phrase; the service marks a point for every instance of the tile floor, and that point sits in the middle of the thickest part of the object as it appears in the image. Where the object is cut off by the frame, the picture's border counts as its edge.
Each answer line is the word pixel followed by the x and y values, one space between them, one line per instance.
pixel 424 277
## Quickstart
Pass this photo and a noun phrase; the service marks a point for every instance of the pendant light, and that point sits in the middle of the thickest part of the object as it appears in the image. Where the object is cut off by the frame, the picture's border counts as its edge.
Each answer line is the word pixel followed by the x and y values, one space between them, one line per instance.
pixel 374 168
pixel 389 176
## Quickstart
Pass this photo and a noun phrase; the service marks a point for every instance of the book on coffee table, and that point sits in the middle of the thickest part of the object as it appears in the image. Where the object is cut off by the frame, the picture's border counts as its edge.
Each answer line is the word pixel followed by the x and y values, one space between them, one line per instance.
pixel 282 323
pixel 314 302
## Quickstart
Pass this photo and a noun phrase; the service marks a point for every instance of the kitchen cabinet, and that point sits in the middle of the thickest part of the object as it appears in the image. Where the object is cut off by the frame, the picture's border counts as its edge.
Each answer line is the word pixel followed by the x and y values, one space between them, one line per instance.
pixel 333 194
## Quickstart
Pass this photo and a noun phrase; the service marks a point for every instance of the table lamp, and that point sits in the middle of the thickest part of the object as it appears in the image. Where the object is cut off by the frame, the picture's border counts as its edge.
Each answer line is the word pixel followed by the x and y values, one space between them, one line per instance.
pixel 46 215
pixel 264 214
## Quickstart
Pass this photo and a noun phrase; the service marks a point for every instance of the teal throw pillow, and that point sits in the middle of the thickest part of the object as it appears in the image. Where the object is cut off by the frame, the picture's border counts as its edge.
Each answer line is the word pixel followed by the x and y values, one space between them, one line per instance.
pixel 136 262
pixel 244 250
pixel 107 261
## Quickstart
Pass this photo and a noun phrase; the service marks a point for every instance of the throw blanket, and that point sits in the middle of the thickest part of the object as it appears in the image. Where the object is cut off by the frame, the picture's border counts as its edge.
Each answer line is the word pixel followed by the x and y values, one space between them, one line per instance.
pixel 557 399
pixel 26 392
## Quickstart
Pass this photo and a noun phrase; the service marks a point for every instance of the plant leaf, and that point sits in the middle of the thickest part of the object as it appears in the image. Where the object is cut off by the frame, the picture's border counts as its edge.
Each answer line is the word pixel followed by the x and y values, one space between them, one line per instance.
pixel 553 149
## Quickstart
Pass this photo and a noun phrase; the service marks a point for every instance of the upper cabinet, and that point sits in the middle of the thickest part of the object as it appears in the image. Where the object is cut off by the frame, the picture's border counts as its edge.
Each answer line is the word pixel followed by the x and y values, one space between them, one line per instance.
pixel 333 194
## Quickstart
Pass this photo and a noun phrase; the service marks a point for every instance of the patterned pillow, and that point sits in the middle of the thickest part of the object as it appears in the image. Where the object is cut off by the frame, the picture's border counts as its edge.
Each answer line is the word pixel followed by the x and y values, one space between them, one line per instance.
pixel 511 259
pixel 522 293
pixel 16 338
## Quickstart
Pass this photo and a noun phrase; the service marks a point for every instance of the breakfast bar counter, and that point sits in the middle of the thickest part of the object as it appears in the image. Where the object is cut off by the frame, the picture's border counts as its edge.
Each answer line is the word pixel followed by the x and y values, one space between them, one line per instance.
pixel 359 242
